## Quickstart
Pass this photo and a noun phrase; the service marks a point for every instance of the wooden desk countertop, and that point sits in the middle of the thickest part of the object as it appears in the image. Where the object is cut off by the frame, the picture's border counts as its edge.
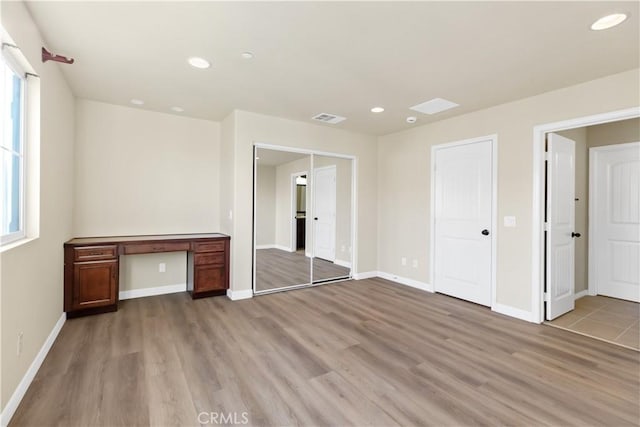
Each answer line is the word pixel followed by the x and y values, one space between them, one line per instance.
pixel 148 238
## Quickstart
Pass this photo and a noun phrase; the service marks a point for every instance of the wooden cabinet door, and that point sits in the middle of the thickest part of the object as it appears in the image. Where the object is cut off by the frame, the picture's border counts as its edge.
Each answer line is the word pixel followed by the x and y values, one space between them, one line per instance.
pixel 95 284
pixel 209 278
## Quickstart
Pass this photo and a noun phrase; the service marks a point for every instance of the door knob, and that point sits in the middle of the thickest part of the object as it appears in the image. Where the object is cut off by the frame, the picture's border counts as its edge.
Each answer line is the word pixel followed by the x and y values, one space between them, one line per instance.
pixel 485 232
pixel 315 219
pixel 575 234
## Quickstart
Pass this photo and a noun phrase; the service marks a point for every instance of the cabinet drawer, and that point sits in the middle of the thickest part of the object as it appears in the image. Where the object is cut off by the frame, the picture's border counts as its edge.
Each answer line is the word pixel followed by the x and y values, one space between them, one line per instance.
pixel 217 246
pixel 92 253
pixel 147 248
pixel 213 259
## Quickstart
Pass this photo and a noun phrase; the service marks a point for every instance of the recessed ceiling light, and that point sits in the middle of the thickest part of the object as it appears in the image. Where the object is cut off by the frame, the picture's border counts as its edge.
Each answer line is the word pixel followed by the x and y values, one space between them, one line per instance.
pixel 177 109
pixel 377 110
pixel 199 62
pixel 137 101
pixel 247 55
pixel 608 21
pixel 436 105
pixel 411 119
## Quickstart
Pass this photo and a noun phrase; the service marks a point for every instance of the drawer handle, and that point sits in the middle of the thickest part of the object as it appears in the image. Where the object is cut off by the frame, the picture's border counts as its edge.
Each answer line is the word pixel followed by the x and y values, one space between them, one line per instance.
pixel 95 253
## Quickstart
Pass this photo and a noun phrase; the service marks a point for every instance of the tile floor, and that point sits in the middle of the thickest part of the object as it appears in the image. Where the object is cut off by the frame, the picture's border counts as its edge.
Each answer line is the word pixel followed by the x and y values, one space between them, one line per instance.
pixel 608 319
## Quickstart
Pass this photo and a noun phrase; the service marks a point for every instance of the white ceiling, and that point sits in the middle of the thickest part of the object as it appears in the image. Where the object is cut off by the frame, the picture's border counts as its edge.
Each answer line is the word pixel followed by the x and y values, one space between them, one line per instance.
pixel 333 57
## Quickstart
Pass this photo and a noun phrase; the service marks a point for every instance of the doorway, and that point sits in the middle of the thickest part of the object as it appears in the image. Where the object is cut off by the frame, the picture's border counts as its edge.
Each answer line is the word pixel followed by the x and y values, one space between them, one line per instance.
pixel 299 209
pixel 591 227
pixel 463 203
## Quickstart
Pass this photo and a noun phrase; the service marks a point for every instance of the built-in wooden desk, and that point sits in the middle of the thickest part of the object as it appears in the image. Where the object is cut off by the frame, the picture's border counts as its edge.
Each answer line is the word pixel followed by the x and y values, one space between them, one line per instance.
pixel 91 267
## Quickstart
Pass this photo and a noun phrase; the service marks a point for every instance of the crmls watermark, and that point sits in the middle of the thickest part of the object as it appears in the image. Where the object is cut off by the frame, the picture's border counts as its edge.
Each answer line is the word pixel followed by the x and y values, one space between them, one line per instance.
pixel 228 418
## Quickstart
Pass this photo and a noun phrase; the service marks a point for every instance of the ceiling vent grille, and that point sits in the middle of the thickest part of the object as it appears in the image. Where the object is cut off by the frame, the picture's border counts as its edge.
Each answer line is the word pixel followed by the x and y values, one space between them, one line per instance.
pixel 328 118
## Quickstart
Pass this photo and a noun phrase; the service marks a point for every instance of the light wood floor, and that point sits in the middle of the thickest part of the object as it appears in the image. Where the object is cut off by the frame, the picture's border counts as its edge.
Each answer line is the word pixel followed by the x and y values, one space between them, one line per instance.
pixel 609 319
pixel 355 353
pixel 276 269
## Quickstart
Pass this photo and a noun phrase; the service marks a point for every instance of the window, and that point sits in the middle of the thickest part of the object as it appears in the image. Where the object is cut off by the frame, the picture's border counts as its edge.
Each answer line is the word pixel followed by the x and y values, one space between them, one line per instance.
pixel 12 150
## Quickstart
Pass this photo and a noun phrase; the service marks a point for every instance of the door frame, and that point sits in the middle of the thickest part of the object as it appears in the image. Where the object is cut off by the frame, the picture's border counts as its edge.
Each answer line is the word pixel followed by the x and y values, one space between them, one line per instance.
pixel 593 254
pixel 493 138
pixel 294 211
pixel 537 214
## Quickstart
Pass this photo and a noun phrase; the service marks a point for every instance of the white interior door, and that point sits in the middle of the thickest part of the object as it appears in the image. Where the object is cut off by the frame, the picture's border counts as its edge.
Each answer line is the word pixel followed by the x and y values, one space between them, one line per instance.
pixel 560 273
pixel 324 213
pixel 463 221
pixel 615 221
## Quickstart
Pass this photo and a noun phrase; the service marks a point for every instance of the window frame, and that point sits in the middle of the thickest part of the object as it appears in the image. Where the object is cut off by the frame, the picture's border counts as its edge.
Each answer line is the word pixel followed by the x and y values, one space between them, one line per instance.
pixel 8 59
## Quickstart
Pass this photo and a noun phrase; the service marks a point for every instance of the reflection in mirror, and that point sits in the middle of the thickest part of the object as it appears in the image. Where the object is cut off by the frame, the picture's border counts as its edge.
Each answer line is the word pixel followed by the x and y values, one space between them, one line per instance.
pixel 331 180
pixel 281 224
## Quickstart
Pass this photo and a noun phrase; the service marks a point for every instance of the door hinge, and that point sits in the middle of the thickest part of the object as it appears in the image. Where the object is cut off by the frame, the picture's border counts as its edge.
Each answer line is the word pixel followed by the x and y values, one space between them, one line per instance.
pixel 546 226
pixel 547 155
pixel 545 297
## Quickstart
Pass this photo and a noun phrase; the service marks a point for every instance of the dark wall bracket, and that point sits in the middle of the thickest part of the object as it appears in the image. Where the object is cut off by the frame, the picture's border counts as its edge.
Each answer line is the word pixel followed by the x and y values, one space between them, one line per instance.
pixel 48 56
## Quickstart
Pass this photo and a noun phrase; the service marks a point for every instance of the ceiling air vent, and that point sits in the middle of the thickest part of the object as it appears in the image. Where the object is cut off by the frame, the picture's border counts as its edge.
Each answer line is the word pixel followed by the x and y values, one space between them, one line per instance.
pixel 328 118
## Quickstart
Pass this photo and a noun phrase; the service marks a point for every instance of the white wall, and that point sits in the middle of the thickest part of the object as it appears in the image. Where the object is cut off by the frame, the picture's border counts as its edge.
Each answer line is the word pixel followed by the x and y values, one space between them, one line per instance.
pixel 139 172
pixel 31 279
pixel 266 205
pixel 142 172
pixel 404 165
pixel 620 132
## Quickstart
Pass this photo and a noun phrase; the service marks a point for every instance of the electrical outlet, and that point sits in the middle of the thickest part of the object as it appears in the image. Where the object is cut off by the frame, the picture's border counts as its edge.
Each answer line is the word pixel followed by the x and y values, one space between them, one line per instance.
pixel 162 267
pixel 20 343
pixel 415 263
pixel 403 261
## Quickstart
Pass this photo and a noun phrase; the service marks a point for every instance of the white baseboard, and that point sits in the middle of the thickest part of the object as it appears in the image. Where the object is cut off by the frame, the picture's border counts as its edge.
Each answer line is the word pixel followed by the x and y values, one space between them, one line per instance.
pixel 23 386
pixel 406 281
pixel 513 312
pixel 239 295
pixel 345 264
pixel 272 246
pixel 581 294
pixel 149 292
pixel 365 275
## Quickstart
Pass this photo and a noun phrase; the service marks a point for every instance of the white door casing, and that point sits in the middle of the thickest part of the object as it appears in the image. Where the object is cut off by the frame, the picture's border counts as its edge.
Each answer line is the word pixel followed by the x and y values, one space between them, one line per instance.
pixel 614 198
pixel 324 213
pixel 560 274
pixel 463 219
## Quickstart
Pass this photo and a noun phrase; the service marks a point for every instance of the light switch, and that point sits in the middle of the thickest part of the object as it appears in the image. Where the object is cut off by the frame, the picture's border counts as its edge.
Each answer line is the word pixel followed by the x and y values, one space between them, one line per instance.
pixel 509 221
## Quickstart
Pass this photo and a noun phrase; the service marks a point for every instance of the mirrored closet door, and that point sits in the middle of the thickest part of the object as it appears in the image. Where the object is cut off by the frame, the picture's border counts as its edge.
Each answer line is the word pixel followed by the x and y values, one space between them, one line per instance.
pixel 302 219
